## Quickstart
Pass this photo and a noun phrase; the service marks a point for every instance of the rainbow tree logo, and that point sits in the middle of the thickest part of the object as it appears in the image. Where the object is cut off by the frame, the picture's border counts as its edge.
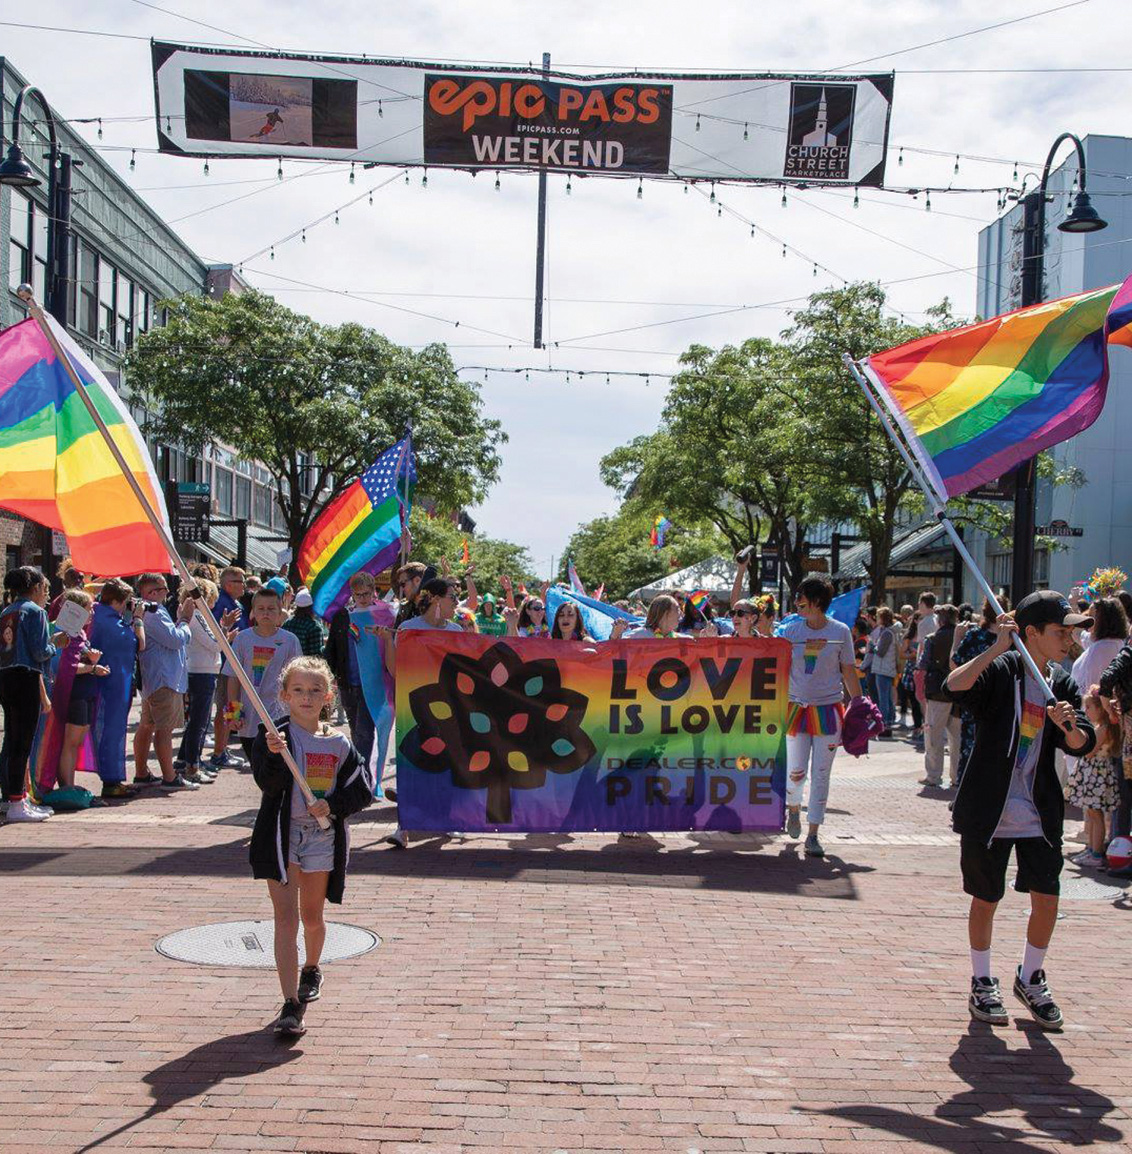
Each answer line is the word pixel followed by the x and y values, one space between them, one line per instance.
pixel 497 723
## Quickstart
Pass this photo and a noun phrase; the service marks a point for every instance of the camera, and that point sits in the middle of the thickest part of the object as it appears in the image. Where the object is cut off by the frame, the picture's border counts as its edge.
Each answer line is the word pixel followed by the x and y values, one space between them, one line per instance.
pixel 148 606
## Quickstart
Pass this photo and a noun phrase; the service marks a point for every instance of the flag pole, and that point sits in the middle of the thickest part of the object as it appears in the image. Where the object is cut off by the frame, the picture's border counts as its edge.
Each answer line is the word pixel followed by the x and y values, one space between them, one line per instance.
pixel 940 511
pixel 402 464
pixel 25 294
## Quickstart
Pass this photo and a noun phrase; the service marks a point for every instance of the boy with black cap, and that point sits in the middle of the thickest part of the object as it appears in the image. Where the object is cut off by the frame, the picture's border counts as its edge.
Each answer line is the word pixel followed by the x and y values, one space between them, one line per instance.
pixel 1010 796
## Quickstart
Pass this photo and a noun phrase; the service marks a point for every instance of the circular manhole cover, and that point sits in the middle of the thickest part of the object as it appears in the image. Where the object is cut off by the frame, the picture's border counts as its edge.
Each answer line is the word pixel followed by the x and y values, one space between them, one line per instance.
pixel 250 944
pixel 1092 889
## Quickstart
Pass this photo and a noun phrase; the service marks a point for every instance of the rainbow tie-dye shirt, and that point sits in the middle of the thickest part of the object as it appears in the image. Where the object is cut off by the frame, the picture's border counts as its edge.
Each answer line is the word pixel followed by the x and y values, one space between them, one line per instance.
pixel 1019 815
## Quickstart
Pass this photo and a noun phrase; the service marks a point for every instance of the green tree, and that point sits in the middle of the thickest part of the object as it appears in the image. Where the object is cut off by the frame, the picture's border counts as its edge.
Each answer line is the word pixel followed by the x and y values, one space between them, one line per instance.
pixel 437 538
pixel 616 550
pixel 299 396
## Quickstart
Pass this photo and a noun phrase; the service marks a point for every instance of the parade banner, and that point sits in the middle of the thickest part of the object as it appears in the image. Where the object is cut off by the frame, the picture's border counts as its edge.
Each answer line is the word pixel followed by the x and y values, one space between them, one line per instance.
pixel 530 735
pixel 829 129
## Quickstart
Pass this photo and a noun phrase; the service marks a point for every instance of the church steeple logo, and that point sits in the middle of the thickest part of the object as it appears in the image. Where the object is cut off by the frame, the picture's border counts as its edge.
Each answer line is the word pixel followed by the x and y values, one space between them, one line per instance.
pixel 821 131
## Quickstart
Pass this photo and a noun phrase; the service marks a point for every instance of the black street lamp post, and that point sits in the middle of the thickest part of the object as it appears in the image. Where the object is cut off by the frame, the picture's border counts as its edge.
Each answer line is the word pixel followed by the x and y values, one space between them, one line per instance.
pixel 1082 218
pixel 15 172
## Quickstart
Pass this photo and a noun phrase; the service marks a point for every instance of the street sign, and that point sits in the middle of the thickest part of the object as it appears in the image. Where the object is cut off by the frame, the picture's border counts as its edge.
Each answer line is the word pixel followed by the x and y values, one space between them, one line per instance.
pixel 1001 489
pixel 189 504
pixel 1059 529
pixel 768 567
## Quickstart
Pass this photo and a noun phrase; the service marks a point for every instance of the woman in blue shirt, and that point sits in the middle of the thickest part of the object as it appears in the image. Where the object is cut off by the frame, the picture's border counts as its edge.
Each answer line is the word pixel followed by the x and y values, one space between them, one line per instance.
pixel 25 653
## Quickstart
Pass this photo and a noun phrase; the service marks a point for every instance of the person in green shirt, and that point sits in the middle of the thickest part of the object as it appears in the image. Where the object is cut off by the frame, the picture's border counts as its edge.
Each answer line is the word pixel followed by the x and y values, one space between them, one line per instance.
pixel 304 625
pixel 487 620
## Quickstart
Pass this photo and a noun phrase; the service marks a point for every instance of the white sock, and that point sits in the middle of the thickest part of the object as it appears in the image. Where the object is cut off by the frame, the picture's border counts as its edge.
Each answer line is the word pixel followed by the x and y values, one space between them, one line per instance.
pixel 980 963
pixel 1032 961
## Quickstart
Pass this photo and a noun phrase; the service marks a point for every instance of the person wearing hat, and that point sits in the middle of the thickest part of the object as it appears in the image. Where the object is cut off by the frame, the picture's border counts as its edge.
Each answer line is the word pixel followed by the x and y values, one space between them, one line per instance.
pixel 487 620
pixel 305 625
pixel 1010 797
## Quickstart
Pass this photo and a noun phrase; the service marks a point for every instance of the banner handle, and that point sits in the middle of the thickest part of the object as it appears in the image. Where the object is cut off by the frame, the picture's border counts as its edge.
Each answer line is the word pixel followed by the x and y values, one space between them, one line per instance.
pixel 25 294
pixel 940 512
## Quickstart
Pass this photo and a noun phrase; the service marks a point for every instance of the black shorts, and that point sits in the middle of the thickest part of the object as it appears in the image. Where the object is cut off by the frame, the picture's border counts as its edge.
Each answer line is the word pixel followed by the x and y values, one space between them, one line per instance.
pixel 80 711
pixel 984 867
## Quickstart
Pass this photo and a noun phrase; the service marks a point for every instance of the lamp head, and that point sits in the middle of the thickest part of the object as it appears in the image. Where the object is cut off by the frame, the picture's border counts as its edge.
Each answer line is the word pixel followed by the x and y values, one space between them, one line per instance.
pixel 16 172
pixel 1083 217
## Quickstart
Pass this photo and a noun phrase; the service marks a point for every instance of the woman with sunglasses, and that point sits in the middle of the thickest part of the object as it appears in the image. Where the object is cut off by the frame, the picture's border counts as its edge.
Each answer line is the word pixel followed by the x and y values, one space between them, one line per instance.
pixel 532 618
pixel 744 616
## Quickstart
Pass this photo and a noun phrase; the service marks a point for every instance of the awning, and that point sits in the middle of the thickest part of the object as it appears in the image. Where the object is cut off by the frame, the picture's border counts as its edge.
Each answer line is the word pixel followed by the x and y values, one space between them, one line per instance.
pixel 261 554
pixel 714 575
pixel 853 561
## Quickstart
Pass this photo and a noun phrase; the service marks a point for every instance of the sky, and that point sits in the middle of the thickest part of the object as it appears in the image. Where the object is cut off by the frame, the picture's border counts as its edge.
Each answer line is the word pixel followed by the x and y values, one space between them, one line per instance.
pixel 631 282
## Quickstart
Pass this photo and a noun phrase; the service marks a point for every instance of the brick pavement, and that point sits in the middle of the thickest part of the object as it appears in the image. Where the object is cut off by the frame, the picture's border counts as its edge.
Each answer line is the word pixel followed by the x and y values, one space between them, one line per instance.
pixel 708 993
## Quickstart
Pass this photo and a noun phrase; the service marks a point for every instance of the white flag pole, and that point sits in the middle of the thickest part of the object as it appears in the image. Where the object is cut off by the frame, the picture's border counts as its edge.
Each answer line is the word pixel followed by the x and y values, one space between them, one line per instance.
pixel 25 294
pixel 940 511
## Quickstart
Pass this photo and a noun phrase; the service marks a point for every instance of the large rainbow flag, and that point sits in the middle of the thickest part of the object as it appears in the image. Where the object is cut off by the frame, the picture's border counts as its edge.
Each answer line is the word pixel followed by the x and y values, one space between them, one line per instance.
pixel 974 402
pixel 360 530
pixel 56 469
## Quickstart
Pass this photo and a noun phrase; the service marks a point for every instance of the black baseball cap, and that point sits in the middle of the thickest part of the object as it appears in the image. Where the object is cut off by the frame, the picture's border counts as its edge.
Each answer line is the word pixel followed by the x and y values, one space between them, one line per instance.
pixel 1047 607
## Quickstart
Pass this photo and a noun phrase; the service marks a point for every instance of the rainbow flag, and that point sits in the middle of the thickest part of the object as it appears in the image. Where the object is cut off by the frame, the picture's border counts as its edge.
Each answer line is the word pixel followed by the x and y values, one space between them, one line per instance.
pixel 575 580
pixel 660 526
pixel 974 402
pixel 699 599
pixel 56 469
pixel 360 530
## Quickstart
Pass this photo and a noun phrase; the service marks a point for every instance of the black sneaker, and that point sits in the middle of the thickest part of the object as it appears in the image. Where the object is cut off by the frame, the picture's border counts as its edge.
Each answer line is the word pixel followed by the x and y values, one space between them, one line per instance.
pixel 177 782
pixel 1035 993
pixel 290 1020
pixel 390 792
pixel 812 847
pixel 310 984
pixel 986 1002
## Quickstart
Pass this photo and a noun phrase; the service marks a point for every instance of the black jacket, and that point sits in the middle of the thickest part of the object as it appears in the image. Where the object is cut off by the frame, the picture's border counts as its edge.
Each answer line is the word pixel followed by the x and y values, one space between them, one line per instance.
pixel 337 650
pixel 352 791
pixel 995 702
pixel 1116 681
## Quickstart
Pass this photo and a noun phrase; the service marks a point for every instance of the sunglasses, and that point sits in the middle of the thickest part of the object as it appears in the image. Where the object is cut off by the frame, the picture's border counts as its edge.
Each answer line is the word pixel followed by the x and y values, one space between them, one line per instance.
pixel 536 608
pixel 744 613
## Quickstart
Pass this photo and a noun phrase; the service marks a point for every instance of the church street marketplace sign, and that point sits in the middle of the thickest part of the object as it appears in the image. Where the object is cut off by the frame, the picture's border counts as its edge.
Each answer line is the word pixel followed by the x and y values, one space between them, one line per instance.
pixel 524 734
pixel 795 128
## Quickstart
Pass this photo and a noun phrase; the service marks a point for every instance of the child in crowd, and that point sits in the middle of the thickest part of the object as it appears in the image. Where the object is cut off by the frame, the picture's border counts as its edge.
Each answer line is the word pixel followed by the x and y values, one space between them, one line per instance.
pixel 1094 781
pixel 1011 800
pixel 84 689
pixel 316 859
pixel 25 653
pixel 263 651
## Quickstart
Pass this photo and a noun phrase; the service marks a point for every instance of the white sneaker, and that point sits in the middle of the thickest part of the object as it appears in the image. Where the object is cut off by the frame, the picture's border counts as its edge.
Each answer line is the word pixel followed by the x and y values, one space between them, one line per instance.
pixel 46 810
pixel 23 810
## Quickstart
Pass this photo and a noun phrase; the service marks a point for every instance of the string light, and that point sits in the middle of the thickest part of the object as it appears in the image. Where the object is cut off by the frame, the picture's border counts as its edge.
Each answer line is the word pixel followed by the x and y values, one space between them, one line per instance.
pixel 712 197
pixel 424 178
pixel 336 216
pixel 569 186
pixel 928 203
pixel 815 269
pixel 956 169
pixel 497 182
pixel 752 231
pixel 900 158
pixel 746 134
pixel 856 199
pixel 1016 172
pixel 100 128
pixel 784 250
pixel 206 168
pixel 371 196
pixel 406 176
pixel 168 125
pixel 685 188
pixel 697 122
pixel 303 236
pixel 279 170
pixel 351 172
pixel 640 188
pixel 783 196
pixel 133 159
pixel 272 252
pixel 380 113
pixel 719 212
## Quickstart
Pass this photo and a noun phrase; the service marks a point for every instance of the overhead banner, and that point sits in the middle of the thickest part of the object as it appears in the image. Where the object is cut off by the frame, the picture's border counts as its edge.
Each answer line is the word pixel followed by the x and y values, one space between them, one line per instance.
pixel 533 735
pixel 759 126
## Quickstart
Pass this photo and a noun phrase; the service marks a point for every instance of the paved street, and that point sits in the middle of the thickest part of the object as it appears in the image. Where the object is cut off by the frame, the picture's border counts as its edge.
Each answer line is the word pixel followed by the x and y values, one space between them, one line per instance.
pixel 707 993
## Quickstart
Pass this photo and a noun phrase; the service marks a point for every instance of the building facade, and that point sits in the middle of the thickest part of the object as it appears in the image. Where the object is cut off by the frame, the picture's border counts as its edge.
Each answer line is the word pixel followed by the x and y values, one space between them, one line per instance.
pixel 123 259
pixel 1102 507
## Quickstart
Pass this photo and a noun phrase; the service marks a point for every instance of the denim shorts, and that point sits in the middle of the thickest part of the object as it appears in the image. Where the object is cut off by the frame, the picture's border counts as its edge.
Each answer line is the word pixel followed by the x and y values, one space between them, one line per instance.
pixel 311 848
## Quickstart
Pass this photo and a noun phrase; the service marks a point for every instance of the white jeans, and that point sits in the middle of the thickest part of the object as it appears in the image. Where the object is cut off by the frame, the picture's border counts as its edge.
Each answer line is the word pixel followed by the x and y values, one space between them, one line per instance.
pixel 938 724
pixel 814 757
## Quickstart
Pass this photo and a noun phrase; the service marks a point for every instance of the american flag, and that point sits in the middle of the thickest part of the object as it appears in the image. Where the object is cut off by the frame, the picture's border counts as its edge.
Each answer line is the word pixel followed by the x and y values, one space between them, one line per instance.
pixel 360 530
